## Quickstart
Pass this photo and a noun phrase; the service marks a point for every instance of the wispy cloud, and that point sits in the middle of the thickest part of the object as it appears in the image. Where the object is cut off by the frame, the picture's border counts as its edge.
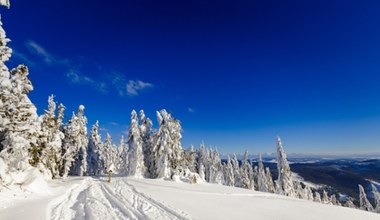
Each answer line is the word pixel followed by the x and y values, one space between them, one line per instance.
pixel 47 57
pixel 191 110
pixel 72 67
pixel 37 49
pixel 22 57
pixel 77 78
pixel 136 86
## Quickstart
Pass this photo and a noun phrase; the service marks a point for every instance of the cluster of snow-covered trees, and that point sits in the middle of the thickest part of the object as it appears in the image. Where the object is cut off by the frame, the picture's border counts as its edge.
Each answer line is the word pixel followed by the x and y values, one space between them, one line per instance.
pixel 58 149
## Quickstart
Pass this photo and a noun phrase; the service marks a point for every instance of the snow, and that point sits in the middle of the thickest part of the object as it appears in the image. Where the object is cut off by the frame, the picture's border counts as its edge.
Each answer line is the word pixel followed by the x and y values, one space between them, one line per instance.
pixel 137 198
pixel 5 3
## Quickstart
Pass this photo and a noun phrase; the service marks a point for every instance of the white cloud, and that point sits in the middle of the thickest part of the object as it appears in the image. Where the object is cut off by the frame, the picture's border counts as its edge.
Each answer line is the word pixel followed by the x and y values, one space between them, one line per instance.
pixel 37 49
pixel 22 57
pixel 135 86
pixel 77 78
pixel 46 57
pixel 191 110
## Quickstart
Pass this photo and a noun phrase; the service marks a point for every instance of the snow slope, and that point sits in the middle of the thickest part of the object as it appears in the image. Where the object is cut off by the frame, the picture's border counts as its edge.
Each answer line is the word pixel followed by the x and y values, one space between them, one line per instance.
pixel 131 198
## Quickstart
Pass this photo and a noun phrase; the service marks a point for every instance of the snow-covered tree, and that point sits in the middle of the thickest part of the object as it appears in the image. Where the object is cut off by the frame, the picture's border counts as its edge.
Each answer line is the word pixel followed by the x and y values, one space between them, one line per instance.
pixel 350 203
pixel 136 165
pixel 50 140
pixel 75 145
pixel 376 198
pixel 167 153
pixel 284 181
pixel 270 183
pixel 325 198
pixel 96 152
pixel 215 168
pixel 245 171
pixel 5 85
pixel 5 3
pixel 237 174
pixel 229 173
pixel 110 155
pixel 202 162
pixel 123 154
pixel 317 197
pixel 364 203
pixel 261 177
pixel 308 193
pixel 334 200
pixel 146 138
pixel 20 124
pixel 190 158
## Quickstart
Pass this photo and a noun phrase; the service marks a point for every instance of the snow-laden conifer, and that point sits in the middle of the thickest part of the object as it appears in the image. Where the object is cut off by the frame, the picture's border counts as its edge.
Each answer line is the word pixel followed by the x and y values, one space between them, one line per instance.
pixel 136 165
pixel 50 140
pixel 284 181
pixel 270 183
pixel 96 152
pixel 364 203
pixel 167 153
pixel 75 145
pixel 261 177
pixel 376 198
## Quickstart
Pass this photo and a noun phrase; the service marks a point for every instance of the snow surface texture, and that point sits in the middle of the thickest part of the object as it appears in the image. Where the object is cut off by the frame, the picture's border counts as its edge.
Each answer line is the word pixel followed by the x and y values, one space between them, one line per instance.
pixel 132 198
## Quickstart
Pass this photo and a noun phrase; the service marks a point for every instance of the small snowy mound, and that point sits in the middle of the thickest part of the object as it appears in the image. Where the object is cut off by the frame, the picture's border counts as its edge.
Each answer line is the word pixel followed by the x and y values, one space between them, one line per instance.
pixel 32 180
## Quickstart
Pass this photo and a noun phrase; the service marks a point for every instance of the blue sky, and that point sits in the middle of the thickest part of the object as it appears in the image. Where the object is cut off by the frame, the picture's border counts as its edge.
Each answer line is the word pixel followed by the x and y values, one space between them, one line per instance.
pixel 235 73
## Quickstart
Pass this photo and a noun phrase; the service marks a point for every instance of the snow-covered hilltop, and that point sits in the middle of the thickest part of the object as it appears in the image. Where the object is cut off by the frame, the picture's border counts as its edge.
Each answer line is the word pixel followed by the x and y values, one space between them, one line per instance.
pixel 43 158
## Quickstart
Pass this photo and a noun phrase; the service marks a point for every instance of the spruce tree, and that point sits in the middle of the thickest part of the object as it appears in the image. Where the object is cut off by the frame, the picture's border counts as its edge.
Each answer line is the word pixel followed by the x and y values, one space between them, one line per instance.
pixel 364 203
pixel 284 182
pixel 261 177
pixel 135 153
pixel 376 197
pixel 75 145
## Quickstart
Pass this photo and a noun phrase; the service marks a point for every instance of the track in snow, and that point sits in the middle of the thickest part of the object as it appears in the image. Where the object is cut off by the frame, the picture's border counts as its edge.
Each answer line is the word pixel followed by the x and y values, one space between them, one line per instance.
pixel 97 199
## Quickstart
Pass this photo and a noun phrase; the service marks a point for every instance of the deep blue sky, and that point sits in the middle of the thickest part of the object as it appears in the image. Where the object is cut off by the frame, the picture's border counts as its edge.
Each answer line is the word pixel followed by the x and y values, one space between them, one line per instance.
pixel 236 73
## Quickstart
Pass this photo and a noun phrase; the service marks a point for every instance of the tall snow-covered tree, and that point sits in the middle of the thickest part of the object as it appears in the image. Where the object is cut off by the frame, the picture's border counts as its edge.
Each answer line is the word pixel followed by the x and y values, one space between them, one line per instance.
pixel 364 203
pixel 146 138
pixel 376 198
pixel 136 165
pixel 5 85
pixel 270 183
pixel 50 140
pixel 22 126
pixel 245 171
pixel 308 193
pixel 229 173
pixel 123 153
pixel 75 145
pixel 110 154
pixel 237 174
pixel 95 156
pixel 190 158
pixel 284 181
pixel 261 177
pixel 202 161
pixel 215 168
pixel 167 153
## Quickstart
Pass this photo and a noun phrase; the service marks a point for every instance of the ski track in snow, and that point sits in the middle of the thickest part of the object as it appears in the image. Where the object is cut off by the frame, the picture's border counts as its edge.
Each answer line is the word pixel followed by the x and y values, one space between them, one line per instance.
pixel 97 199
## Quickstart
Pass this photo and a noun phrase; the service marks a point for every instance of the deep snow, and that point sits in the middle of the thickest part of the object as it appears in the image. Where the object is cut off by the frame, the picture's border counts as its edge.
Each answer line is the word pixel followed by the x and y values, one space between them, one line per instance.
pixel 132 198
